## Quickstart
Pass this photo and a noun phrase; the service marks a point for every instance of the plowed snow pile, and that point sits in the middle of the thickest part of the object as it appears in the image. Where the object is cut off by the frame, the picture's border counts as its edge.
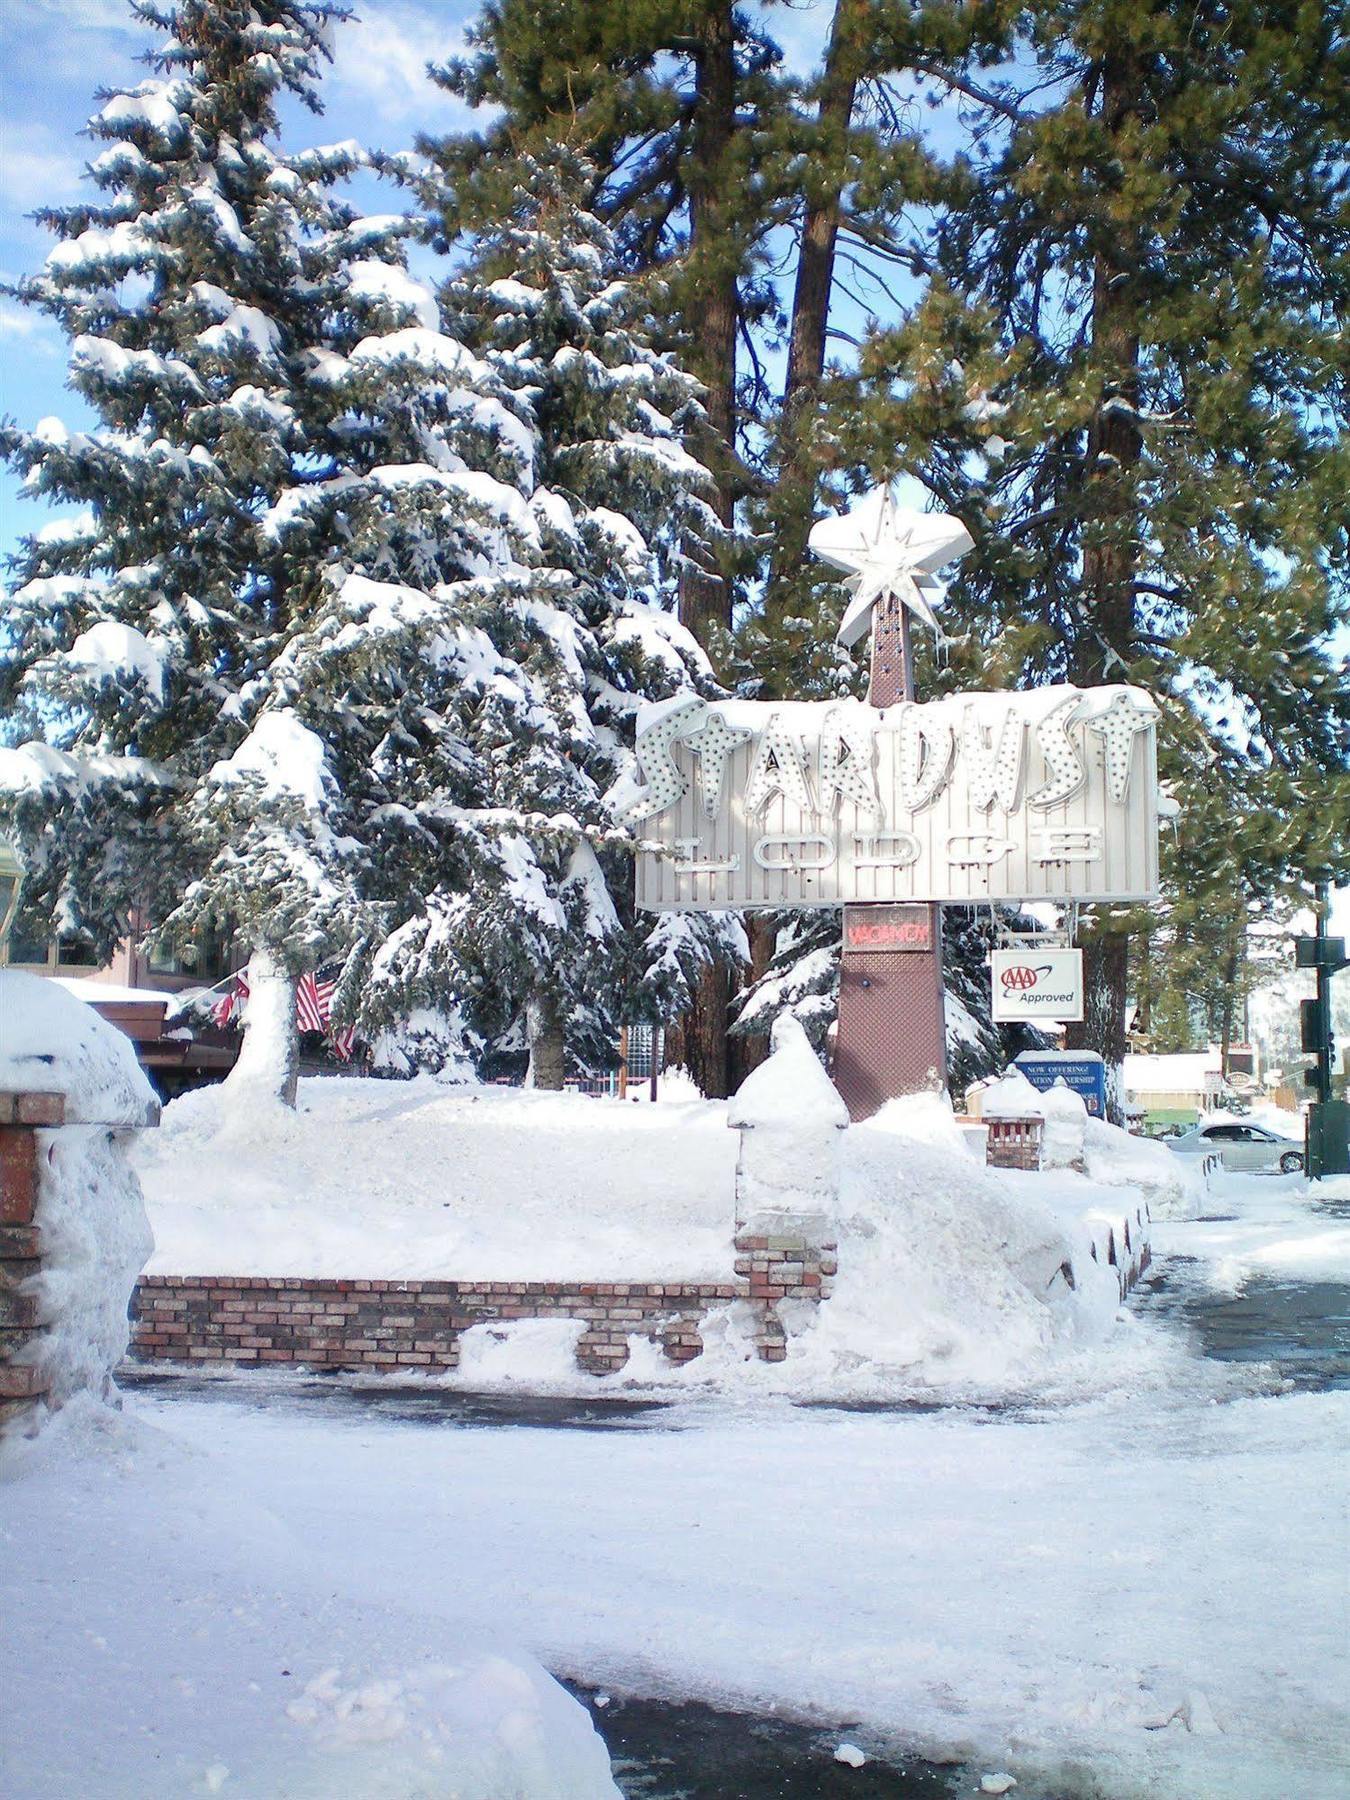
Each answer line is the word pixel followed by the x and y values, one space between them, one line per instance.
pixel 952 1277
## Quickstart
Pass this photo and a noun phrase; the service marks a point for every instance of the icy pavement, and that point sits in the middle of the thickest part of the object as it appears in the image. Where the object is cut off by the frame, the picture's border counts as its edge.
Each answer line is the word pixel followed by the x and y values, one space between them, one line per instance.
pixel 1139 1590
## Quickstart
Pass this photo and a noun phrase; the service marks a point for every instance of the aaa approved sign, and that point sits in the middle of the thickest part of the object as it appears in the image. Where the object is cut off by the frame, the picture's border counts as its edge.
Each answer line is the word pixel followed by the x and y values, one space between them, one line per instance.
pixel 1038 984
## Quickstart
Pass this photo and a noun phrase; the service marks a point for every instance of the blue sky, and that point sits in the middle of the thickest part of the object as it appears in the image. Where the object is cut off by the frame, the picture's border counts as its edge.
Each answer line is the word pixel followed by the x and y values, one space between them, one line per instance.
pixel 55 55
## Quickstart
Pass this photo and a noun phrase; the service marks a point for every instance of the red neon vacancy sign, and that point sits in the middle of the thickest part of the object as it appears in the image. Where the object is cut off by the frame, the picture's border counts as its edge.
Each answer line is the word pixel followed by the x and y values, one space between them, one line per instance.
pixel 888 928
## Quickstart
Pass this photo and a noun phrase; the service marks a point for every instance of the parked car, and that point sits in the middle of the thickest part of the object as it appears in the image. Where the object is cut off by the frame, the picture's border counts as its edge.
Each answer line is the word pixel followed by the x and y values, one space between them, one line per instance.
pixel 1241 1145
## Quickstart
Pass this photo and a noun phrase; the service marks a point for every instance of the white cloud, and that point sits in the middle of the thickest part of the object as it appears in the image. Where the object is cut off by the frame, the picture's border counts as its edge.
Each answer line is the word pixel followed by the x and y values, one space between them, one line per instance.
pixel 15 321
pixel 800 32
pixel 381 59
pixel 18 322
pixel 33 170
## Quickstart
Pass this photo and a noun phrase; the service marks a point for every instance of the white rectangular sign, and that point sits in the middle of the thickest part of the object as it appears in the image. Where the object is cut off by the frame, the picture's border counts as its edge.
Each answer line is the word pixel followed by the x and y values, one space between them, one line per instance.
pixel 1038 984
pixel 1050 794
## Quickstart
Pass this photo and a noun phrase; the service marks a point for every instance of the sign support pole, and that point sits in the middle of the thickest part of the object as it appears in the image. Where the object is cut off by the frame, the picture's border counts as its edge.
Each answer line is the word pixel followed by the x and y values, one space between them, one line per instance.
pixel 892 1035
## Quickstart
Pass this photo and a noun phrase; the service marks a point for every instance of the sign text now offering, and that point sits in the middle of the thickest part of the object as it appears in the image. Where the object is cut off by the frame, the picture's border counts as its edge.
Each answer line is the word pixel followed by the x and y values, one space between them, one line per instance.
pixel 1049 794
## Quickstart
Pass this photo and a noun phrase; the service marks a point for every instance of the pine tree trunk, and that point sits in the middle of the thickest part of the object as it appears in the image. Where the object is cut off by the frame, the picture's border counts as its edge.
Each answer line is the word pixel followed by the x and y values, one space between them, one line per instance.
pixel 747 1053
pixel 548 1059
pixel 268 1067
pixel 1228 998
pixel 707 1048
pixel 795 494
pixel 712 309
pixel 711 312
pixel 1105 970
pixel 1111 524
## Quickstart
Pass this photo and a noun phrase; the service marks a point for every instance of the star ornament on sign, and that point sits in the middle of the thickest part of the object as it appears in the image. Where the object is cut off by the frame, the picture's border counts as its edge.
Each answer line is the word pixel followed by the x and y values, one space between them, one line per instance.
pixel 886 550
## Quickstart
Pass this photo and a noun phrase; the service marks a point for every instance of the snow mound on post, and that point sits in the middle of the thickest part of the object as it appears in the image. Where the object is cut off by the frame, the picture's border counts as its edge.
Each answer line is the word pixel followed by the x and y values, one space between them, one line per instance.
pixel 1065 1116
pixel 52 1043
pixel 94 1232
pixel 790 1116
pixel 1012 1097
pixel 790 1090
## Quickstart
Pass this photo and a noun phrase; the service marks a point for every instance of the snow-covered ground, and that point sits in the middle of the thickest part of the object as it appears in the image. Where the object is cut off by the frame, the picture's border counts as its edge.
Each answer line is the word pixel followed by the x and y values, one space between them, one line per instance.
pixel 1278 1226
pixel 1122 1574
pixel 171 1631
pixel 1143 1592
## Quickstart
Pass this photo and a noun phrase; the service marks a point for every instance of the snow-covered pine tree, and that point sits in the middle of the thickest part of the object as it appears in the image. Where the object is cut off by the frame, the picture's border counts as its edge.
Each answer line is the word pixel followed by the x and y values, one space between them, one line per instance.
pixel 541 944
pixel 143 625
pixel 235 677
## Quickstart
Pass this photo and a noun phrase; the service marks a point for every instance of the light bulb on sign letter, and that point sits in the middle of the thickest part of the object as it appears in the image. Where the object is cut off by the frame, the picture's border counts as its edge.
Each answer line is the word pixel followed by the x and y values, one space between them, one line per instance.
pixel 714 743
pixel 1062 761
pixel 847 748
pixel 1118 727
pixel 666 781
pixel 926 746
pixel 777 769
pixel 995 764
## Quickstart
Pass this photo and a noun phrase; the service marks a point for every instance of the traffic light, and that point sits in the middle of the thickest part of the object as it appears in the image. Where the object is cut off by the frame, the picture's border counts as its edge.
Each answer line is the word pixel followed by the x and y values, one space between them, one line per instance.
pixel 1320 953
pixel 1314 1025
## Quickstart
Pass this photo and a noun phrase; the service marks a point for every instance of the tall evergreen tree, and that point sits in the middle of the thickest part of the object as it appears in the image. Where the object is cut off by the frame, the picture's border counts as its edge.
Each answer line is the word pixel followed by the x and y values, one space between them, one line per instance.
pixel 1130 381
pixel 250 648
pixel 550 935
pixel 145 624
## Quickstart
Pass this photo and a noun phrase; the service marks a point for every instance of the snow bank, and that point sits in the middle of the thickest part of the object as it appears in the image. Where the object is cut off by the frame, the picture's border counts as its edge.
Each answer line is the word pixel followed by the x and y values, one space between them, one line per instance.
pixel 242 1662
pixel 401 1179
pixel 94 1232
pixel 95 1242
pixel 480 1728
pixel 1172 1185
pixel 952 1277
pixel 1065 1118
pixel 951 1274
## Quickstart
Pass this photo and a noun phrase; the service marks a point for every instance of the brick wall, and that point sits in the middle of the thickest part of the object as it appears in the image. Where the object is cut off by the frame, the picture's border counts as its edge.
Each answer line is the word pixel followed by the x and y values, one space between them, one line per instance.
pixel 399 1325
pixel 21 1115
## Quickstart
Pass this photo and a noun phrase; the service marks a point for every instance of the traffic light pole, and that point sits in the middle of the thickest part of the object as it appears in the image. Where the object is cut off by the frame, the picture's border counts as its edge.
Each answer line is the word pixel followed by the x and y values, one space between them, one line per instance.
pixel 1324 1047
pixel 1328 1127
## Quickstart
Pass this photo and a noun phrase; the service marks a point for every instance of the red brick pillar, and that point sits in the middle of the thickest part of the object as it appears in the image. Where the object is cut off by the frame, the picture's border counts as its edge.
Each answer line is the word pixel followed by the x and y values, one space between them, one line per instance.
pixel 790 1121
pixel 21 1117
pixel 783 1259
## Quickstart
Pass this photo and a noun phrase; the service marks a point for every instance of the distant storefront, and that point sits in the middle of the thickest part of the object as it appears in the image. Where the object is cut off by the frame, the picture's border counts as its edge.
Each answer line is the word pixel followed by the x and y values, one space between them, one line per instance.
pixel 138 991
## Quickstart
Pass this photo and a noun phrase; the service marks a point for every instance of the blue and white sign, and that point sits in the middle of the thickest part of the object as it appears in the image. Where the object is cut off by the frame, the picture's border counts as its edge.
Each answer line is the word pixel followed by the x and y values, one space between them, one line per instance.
pixel 1082 1070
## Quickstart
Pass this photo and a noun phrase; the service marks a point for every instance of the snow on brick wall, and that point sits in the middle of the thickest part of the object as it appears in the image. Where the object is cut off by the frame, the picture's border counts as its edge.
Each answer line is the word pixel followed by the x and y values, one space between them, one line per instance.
pixel 73 1230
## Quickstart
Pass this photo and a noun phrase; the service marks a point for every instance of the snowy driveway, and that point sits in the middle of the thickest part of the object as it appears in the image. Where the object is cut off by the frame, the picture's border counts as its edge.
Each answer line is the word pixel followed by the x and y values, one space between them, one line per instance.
pixel 1142 1590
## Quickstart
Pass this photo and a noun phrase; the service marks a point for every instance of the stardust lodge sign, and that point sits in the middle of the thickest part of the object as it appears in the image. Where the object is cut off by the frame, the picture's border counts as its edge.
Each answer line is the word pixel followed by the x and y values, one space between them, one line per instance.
pixel 1049 794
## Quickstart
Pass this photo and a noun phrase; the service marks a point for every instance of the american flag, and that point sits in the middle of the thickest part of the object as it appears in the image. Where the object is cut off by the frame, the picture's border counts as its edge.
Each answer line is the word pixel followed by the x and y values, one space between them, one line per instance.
pixel 313 1006
pixel 314 998
pixel 231 1001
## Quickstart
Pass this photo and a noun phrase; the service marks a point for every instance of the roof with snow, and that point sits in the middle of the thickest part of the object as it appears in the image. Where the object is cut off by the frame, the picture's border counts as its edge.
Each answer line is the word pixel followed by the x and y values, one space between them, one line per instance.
pixel 1182 1073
